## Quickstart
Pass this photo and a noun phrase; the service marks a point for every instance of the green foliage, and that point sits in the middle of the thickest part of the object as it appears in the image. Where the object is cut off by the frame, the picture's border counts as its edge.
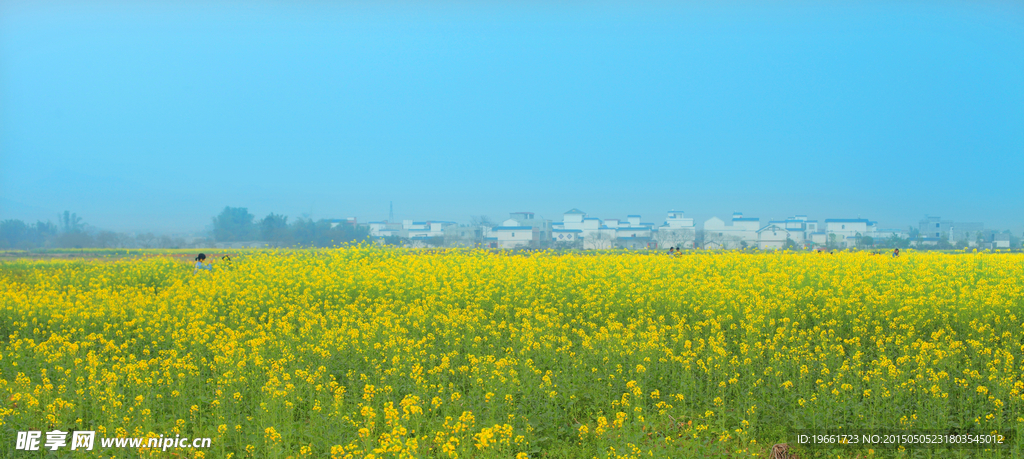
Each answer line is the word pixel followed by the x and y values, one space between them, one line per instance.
pixel 234 224
pixel 865 241
pixel 274 228
pixel 15 234
pixel 322 233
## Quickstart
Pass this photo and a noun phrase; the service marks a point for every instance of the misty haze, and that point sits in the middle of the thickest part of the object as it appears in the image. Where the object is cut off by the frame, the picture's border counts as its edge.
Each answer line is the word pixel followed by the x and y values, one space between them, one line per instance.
pixel 153 119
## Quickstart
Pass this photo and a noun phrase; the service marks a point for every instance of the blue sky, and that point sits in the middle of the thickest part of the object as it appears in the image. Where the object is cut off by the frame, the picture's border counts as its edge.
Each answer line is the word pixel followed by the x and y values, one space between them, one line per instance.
pixel 156 116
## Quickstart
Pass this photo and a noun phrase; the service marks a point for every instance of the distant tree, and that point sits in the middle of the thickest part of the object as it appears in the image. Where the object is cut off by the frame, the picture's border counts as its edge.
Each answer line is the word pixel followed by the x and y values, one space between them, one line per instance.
pixel 914 237
pixel 70 222
pixel 146 240
pixel 598 240
pixel 481 220
pixel 895 241
pixel 234 224
pixel 576 243
pixel 394 240
pixel 833 241
pixel 14 234
pixel 348 233
pixel 274 228
pixel 306 232
pixel 436 241
pixel 452 237
pixel 170 242
pixel 865 241
pixel 790 243
pixel 321 233
pixel 108 240
pixel 713 239
pixel 74 240
pixel 42 233
pixel 674 237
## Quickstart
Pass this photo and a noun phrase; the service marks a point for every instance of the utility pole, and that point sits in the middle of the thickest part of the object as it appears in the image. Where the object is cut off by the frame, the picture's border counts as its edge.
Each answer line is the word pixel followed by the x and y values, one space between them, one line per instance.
pixel 391 212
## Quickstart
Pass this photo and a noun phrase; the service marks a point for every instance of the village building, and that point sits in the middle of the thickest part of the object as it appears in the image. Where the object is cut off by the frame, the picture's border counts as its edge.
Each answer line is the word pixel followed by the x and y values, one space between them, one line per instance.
pixel 633 234
pixel 678 231
pixel 794 231
pixel 739 233
pixel 774 236
pixel 521 230
pixel 845 232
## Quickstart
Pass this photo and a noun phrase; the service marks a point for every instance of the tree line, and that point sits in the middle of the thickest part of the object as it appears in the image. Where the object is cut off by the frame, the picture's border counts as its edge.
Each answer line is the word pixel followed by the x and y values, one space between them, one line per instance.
pixel 236 224
pixel 71 232
pixel 233 224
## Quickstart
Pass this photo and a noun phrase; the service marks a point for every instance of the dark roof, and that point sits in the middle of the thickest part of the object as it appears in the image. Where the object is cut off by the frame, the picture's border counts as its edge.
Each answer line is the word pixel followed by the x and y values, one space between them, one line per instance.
pixel 575 211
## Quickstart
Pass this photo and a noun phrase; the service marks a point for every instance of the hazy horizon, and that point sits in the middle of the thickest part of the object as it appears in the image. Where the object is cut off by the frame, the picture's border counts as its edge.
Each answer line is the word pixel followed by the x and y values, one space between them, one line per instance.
pixel 154 117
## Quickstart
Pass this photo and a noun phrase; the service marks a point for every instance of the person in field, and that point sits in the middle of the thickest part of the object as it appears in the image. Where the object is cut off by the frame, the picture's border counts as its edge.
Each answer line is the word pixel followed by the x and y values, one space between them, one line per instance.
pixel 201 265
pixel 671 251
pixel 896 253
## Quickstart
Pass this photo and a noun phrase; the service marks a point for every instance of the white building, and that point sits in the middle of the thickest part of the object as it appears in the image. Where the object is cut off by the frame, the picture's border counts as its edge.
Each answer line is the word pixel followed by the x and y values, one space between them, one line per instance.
pixel 967 231
pixel 512 235
pixel 888 233
pixel 463 236
pixel 424 230
pixel 570 229
pixel 566 235
pixel 740 232
pixel 677 231
pixel 798 229
pixel 632 233
pixel 774 236
pixel 421 233
pixel 543 226
pixel 521 230
pixel 385 229
pixel 572 219
pixel 847 230
pixel 594 233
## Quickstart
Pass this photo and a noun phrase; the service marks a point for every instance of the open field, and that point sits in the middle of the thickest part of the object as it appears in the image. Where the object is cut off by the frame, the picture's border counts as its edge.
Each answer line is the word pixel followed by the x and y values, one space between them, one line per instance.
pixel 403 353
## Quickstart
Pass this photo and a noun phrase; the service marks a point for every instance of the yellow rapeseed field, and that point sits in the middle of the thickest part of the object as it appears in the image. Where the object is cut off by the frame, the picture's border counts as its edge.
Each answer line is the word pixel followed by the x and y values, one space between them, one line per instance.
pixel 370 352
